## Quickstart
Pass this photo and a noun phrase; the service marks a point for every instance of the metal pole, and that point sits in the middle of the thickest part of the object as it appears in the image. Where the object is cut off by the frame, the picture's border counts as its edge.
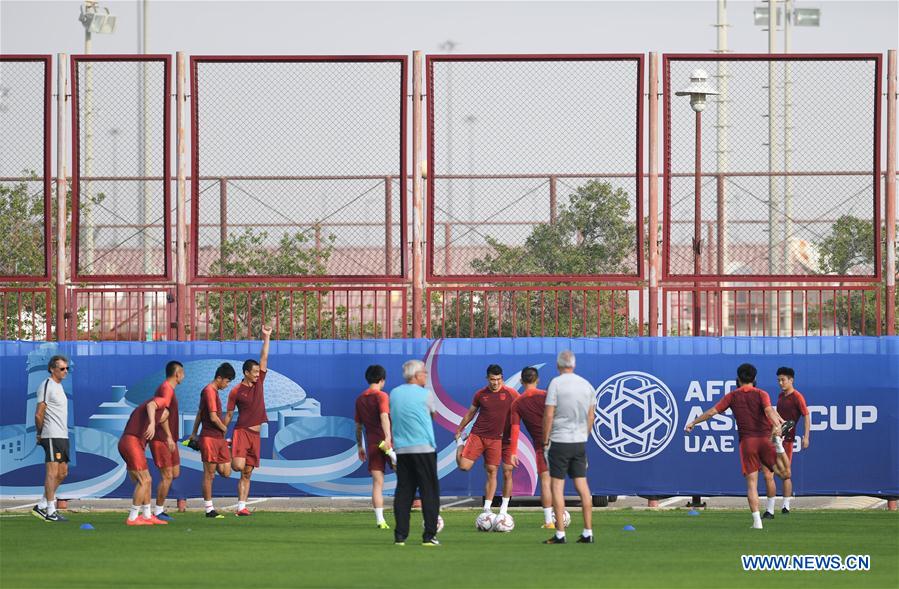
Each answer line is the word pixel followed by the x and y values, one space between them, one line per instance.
pixel 417 201
pixel 85 188
pixel 553 204
pixel 653 194
pixel 145 167
pixel 61 195
pixel 890 191
pixel 388 225
pixel 181 218
pixel 721 127
pixel 788 182
pixel 697 224
pixel 772 153
pixel 223 221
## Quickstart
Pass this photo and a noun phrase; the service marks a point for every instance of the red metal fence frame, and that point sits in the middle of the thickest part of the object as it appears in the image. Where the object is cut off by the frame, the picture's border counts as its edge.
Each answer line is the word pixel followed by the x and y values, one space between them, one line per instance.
pixel 430 60
pixel 166 171
pixel 47 60
pixel 666 148
pixel 194 276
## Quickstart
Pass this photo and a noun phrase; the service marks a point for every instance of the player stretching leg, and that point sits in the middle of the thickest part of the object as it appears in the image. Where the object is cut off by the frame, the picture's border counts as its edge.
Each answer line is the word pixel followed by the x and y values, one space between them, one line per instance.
pixel 163 446
pixel 529 408
pixel 493 405
pixel 249 399
pixel 754 416
pixel 790 406
pixel 373 415
pixel 212 445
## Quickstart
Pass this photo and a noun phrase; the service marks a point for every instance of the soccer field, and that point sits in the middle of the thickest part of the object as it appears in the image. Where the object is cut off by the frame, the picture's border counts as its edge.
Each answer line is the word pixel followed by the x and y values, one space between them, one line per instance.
pixel 344 549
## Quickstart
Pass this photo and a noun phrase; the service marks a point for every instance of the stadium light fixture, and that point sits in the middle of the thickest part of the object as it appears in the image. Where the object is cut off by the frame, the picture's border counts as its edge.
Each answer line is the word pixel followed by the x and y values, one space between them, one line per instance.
pixel 97 22
pixel 799 17
pixel 698 89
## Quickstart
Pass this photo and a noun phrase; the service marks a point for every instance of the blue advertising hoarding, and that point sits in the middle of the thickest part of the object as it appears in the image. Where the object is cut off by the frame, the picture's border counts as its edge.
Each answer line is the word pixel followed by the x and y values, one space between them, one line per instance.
pixel 647 389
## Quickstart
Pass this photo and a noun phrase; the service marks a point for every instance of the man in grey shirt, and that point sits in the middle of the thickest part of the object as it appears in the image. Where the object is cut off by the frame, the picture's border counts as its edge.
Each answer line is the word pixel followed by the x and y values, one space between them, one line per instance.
pixel 570 403
pixel 51 423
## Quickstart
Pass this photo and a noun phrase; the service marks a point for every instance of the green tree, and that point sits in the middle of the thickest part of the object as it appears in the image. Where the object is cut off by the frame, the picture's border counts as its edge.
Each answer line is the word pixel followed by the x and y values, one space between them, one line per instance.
pixel 22 228
pixel 593 234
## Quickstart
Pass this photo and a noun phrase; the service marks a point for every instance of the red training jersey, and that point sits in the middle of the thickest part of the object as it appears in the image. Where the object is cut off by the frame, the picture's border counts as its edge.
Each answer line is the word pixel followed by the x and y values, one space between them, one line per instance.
pixel 369 407
pixel 210 404
pixel 494 418
pixel 250 403
pixel 138 421
pixel 792 406
pixel 528 408
pixel 166 390
pixel 748 404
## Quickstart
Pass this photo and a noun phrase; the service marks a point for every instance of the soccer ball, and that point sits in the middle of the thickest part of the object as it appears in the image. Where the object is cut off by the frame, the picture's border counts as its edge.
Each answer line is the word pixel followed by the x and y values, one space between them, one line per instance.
pixel 566 518
pixel 439 524
pixel 504 523
pixel 485 521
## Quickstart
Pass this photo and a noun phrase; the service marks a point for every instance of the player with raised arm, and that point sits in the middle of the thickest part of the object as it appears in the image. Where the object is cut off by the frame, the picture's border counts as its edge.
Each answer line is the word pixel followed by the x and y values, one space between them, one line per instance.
pixel 249 399
pixel 140 429
pixel 373 415
pixel 212 445
pixel 493 405
pixel 163 447
pixel 756 421
pixel 790 406
pixel 528 408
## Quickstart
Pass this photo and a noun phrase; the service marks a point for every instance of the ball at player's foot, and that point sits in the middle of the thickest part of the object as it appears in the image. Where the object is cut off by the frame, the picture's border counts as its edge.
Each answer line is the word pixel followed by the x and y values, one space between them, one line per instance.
pixel 566 518
pixel 485 521
pixel 504 523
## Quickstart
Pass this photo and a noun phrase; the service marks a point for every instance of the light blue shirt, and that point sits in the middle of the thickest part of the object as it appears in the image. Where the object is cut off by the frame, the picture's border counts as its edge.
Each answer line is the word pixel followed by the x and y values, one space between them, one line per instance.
pixel 410 418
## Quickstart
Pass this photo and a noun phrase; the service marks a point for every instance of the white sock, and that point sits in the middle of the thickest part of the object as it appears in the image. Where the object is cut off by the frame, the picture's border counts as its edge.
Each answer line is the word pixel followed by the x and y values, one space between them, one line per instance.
pixel 132 513
pixel 157 509
pixel 42 504
pixel 51 507
pixel 588 532
pixel 208 506
pixel 779 444
pixel 505 505
pixel 770 506
pixel 146 510
pixel 487 504
pixel 241 505
pixel 548 515
pixel 756 520
pixel 787 501
pixel 560 533
pixel 379 514
pixel 392 455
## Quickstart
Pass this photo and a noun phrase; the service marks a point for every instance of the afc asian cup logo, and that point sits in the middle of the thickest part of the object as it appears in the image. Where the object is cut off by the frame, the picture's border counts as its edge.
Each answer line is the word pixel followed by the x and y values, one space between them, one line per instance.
pixel 636 416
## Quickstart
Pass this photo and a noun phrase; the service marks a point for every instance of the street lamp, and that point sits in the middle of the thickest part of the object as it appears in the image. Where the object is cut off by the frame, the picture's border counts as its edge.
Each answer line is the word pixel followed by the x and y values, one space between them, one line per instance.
pixel 697 90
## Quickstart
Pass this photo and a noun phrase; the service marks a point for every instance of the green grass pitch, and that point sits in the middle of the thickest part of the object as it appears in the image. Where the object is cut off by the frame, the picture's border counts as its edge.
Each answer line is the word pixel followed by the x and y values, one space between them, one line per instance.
pixel 344 549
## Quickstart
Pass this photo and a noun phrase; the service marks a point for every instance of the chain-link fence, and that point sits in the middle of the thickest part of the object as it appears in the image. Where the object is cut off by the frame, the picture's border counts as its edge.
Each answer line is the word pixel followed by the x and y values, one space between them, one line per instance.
pixel 121 138
pixel 534 166
pixel 299 167
pixel 25 90
pixel 789 167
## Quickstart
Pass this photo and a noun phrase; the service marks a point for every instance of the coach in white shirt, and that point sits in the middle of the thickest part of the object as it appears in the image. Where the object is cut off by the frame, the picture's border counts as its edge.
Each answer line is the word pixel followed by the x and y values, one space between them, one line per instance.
pixel 51 423
pixel 570 403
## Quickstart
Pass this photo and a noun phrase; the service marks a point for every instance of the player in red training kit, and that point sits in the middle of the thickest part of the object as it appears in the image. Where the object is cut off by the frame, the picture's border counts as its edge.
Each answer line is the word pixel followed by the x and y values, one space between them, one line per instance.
pixel 493 404
pixel 791 406
pixel 165 451
pixel 141 428
pixel 755 419
pixel 529 408
pixel 249 398
pixel 212 445
pixel 373 415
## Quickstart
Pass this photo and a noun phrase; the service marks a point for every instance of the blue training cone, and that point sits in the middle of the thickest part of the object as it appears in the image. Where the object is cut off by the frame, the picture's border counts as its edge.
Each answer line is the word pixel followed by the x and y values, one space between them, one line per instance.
pixel 692 512
pixel 87 527
pixel 629 528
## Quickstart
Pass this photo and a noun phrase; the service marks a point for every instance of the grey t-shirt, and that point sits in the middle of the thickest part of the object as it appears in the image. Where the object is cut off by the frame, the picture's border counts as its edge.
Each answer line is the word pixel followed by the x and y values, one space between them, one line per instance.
pixel 572 397
pixel 56 417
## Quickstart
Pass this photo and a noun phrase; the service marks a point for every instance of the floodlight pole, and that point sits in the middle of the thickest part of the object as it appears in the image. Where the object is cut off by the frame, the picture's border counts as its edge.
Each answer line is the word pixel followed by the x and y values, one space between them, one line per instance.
pixel 61 194
pixel 697 225
pixel 788 183
pixel 722 126
pixel 890 197
pixel 654 258
pixel 181 219
pixel 85 188
pixel 772 157
pixel 417 201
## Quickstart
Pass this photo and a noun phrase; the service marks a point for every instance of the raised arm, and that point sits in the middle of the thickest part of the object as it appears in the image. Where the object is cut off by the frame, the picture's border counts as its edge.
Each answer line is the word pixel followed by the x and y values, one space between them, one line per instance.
pixel 705 416
pixel 266 340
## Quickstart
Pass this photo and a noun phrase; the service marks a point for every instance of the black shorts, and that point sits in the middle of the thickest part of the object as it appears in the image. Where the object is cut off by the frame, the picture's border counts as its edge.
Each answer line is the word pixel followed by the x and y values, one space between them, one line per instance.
pixel 55 449
pixel 568 459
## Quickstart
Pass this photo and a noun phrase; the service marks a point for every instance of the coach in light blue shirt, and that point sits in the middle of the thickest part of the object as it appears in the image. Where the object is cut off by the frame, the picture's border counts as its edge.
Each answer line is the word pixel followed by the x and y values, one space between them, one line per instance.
pixel 412 408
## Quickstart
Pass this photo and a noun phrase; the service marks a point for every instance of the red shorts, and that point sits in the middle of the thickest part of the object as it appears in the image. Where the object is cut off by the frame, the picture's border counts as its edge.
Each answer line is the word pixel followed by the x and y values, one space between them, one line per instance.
pixel 491 449
pixel 507 452
pixel 541 461
pixel 246 443
pixel 755 453
pixel 788 448
pixel 162 456
pixel 377 460
pixel 133 451
pixel 214 450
